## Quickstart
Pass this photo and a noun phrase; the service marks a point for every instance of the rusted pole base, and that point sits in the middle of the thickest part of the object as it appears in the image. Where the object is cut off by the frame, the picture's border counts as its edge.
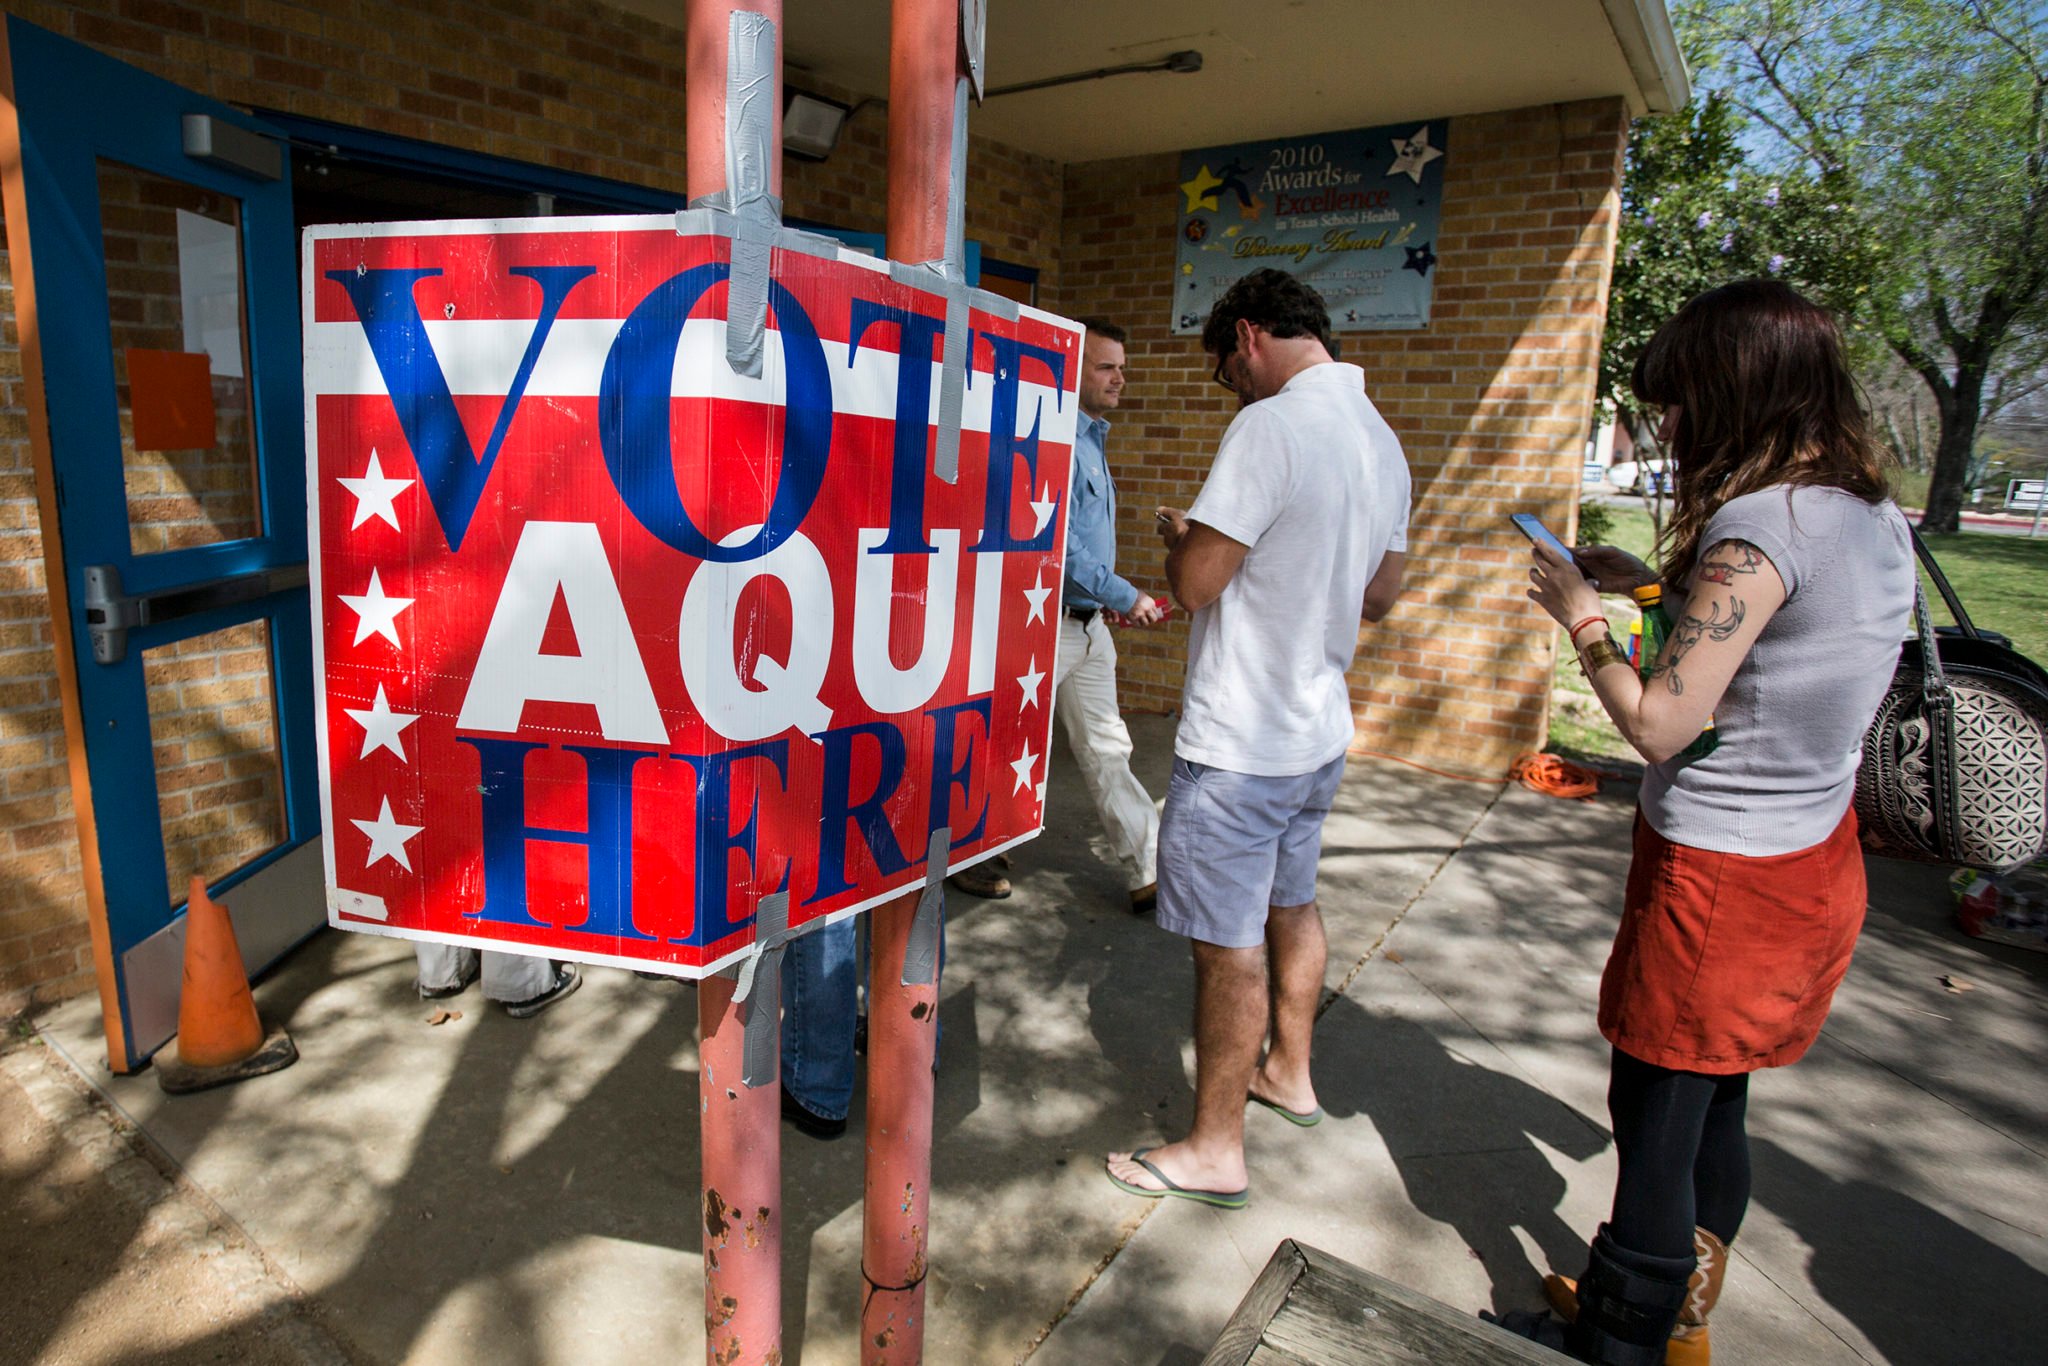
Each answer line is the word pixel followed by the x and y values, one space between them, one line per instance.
pixel 742 1205
pixel 902 1033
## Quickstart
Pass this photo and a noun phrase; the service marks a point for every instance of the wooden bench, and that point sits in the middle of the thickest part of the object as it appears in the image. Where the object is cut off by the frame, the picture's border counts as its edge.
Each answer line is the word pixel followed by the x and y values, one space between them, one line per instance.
pixel 1307 1308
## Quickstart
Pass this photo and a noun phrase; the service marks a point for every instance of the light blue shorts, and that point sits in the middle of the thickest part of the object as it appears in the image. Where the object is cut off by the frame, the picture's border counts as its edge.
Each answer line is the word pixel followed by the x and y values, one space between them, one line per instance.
pixel 1233 844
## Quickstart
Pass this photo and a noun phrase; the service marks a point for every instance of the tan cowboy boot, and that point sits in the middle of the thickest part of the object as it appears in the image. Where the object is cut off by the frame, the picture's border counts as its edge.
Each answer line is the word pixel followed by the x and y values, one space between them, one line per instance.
pixel 1689 1345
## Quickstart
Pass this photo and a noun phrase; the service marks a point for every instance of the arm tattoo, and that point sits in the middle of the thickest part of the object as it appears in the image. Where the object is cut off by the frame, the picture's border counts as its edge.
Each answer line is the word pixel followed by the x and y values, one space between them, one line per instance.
pixel 1728 559
pixel 1723 564
pixel 1692 629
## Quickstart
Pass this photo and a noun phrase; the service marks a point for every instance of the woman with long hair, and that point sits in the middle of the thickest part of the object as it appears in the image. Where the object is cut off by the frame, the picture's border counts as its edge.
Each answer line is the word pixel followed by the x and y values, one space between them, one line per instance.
pixel 1788 577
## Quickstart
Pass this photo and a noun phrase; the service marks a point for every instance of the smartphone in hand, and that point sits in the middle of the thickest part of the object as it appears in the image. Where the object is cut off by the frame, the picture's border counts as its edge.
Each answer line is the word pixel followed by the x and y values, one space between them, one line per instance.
pixel 1533 528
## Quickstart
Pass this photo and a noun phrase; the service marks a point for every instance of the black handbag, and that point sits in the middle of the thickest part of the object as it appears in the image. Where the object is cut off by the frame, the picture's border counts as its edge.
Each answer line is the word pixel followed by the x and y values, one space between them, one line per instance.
pixel 1955 765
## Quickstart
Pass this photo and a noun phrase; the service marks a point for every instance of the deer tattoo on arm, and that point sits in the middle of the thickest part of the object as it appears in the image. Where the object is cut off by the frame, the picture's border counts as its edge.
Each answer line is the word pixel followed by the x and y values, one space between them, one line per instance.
pixel 1725 565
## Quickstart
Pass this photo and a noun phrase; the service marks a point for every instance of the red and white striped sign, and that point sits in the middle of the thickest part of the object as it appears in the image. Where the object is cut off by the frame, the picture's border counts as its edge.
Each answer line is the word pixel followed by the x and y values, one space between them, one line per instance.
pixel 614 642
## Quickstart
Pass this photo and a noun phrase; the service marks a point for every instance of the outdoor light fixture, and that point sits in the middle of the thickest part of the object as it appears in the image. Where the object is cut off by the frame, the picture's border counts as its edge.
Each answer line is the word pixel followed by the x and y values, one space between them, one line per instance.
pixel 1180 63
pixel 811 124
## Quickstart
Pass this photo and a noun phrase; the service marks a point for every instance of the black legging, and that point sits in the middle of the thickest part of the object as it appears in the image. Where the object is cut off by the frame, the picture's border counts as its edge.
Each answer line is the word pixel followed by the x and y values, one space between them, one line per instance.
pixel 1684 1155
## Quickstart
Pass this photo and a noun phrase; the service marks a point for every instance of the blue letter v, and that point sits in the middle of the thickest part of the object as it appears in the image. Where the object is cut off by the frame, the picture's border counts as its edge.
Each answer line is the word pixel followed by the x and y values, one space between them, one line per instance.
pixel 448 464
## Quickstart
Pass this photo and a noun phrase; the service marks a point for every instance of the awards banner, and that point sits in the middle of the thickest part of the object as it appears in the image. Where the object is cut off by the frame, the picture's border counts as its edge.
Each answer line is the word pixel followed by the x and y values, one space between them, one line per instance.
pixel 613 642
pixel 1354 214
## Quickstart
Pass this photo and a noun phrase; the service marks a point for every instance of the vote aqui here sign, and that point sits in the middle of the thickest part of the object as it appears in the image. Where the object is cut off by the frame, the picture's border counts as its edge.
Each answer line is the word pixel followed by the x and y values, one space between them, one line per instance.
pixel 613 642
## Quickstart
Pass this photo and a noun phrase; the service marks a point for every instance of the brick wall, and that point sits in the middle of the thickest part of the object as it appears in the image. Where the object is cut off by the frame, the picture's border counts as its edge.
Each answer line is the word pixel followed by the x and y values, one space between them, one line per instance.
pixel 43 943
pixel 582 88
pixel 1492 402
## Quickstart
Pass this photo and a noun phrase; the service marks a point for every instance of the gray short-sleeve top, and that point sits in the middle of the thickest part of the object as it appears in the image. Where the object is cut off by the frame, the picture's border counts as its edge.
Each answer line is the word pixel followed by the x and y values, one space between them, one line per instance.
pixel 1793 718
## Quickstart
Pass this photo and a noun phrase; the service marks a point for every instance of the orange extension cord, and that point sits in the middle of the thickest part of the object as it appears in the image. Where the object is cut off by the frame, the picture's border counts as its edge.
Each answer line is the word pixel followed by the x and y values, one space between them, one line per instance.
pixel 1545 773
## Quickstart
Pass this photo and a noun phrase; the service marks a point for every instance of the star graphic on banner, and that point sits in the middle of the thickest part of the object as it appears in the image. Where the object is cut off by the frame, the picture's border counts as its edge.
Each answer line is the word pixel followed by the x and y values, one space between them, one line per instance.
pixel 387 838
pixel 1041 511
pixel 374 494
pixel 1029 683
pixel 376 614
pixel 1420 259
pixel 382 726
pixel 1021 767
pixel 1036 595
pixel 1412 153
pixel 1198 190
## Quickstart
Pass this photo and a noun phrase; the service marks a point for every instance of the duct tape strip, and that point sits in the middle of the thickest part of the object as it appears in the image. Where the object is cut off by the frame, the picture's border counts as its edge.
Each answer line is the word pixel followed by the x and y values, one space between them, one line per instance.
pixel 931 278
pixel 956 192
pixel 953 372
pixel 708 216
pixel 973 41
pixel 809 243
pixel 762 969
pixel 921 951
pixel 1009 310
pixel 750 88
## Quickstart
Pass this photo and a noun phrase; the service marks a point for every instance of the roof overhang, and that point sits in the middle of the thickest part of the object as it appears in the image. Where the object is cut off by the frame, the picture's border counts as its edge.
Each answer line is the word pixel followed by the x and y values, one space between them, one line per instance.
pixel 1270 69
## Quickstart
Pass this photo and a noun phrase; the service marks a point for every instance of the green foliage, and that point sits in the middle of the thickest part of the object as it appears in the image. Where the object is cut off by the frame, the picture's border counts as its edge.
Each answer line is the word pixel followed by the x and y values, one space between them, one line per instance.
pixel 1696 214
pixel 2003 584
pixel 1596 524
pixel 1923 127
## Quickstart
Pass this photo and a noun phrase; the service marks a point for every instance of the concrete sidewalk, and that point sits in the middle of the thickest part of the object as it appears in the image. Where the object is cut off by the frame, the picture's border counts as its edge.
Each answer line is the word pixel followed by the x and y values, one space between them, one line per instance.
pixel 492 1190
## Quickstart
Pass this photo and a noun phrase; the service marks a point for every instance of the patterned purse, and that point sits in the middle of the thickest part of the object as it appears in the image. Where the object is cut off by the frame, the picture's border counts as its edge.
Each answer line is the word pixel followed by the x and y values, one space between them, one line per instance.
pixel 1955 766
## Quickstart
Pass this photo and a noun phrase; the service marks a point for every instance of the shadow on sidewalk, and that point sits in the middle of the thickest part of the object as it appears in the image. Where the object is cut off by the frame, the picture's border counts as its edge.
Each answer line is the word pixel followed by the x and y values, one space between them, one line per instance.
pixel 1920 1286
pixel 1463 1137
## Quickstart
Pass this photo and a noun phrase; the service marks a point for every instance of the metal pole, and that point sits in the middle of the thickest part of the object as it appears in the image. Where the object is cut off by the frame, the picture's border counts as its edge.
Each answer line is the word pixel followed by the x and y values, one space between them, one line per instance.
pixel 924 74
pixel 709 22
pixel 928 84
pixel 742 1135
pixel 896 1218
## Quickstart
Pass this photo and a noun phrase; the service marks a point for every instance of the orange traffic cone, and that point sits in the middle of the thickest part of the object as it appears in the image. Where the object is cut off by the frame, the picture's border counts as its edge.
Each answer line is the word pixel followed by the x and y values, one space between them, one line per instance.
pixel 220 1038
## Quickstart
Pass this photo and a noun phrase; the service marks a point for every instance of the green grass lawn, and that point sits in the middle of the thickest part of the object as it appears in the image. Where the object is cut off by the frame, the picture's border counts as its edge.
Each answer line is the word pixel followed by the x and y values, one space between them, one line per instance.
pixel 2002 580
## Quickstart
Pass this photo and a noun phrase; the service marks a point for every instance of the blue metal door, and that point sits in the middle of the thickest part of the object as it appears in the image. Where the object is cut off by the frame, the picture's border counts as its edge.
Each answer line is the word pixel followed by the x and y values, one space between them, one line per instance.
pixel 156 282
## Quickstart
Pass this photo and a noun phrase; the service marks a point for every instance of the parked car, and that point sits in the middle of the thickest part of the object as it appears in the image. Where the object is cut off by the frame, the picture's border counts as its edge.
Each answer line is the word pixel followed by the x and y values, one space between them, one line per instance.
pixel 1639 476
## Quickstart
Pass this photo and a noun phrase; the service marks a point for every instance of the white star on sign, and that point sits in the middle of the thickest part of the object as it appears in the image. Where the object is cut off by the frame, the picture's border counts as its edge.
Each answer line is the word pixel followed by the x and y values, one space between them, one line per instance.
pixel 1036 595
pixel 1022 768
pixel 381 726
pixel 387 838
pixel 1412 153
pixel 1029 683
pixel 376 614
pixel 374 493
pixel 1041 510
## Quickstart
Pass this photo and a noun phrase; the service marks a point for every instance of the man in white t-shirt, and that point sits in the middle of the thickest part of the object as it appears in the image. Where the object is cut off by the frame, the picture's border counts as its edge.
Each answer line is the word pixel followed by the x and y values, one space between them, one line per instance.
pixel 1299 534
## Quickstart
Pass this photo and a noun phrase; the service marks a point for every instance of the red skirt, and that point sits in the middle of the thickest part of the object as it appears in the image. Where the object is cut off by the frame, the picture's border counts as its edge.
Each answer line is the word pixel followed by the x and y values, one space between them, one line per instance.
pixel 1726 963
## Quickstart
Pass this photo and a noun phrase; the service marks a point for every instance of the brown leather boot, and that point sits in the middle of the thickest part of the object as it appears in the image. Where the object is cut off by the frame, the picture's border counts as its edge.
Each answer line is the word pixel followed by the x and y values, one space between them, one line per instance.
pixel 1689 1345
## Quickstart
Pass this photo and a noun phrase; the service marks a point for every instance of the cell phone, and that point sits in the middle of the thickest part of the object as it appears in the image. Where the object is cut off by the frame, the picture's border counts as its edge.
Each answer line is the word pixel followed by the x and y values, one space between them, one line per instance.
pixel 1533 528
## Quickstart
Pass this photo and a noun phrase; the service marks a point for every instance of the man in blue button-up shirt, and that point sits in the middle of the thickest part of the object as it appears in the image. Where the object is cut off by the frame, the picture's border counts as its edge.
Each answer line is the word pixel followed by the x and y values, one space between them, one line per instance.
pixel 1084 679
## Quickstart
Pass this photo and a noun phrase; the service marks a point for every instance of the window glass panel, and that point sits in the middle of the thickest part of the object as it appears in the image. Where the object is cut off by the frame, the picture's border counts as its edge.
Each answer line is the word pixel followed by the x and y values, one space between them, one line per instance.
pixel 213 723
pixel 181 360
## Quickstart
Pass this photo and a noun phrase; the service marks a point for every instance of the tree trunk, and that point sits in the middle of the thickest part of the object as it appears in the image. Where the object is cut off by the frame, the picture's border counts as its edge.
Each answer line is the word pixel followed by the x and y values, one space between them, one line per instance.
pixel 1960 411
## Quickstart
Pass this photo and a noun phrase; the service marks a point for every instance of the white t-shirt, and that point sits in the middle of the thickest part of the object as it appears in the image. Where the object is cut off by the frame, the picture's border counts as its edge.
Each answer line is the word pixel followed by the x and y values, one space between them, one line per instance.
pixel 1313 480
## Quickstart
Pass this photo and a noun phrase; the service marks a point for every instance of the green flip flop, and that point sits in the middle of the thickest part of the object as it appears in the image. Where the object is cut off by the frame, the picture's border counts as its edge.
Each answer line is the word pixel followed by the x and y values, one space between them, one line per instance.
pixel 1220 1199
pixel 1297 1118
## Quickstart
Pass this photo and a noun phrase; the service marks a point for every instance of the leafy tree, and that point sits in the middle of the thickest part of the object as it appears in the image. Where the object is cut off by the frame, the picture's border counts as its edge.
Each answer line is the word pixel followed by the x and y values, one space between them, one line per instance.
pixel 1924 124
pixel 1696 214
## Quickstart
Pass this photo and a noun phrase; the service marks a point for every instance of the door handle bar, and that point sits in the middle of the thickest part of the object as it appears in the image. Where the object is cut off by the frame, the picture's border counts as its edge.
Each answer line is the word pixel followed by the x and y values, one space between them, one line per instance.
pixel 111 614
